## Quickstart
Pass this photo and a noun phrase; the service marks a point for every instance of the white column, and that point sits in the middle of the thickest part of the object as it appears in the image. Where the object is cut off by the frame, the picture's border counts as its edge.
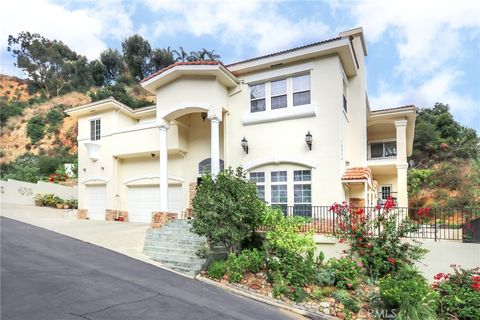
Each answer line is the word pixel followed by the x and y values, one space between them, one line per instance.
pixel 215 144
pixel 163 167
pixel 402 165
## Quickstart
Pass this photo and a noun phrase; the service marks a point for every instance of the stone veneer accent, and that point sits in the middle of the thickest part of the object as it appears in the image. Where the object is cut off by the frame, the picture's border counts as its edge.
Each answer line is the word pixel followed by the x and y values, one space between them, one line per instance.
pixel 110 215
pixel 82 214
pixel 160 219
pixel 192 189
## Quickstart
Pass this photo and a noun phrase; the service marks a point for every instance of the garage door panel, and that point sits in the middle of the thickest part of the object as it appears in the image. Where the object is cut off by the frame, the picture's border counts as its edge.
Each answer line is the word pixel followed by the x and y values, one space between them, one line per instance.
pixel 144 200
pixel 96 202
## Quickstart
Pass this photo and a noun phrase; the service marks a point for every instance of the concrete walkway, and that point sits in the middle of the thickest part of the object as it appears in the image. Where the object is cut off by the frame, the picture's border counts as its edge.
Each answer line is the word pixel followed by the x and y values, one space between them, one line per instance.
pixel 123 237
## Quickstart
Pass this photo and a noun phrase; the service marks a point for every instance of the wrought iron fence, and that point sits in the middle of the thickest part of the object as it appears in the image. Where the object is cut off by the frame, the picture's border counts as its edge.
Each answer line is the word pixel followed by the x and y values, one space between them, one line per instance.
pixel 431 223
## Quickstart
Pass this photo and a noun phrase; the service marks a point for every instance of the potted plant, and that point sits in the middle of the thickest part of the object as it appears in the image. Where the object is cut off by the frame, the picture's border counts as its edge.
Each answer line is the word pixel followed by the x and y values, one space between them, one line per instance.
pixel 39 200
pixel 60 205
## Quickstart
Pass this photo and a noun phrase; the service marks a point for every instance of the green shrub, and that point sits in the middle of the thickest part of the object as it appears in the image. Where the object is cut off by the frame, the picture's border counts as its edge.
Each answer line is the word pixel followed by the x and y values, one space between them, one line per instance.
pixel 217 269
pixel 54 118
pixel 459 293
pixel 51 200
pixel 408 292
pixel 253 260
pixel 326 276
pixel 227 209
pixel 10 109
pixel 72 203
pixel 346 272
pixel 235 268
pixel 345 298
pixel 36 128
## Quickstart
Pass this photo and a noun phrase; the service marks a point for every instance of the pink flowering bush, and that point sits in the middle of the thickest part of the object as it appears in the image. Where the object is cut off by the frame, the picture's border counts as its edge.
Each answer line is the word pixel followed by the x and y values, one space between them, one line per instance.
pixel 459 293
pixel 376 237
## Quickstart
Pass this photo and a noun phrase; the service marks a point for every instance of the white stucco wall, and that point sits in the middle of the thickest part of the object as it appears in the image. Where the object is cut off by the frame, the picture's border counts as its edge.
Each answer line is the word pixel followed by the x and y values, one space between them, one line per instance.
pixel 21 192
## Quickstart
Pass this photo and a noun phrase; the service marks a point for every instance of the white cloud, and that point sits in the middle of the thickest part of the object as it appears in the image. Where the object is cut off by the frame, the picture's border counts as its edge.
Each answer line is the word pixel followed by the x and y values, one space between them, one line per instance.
pixel 243 25
pixel 83 30
pixel 428 33
pixel 440 88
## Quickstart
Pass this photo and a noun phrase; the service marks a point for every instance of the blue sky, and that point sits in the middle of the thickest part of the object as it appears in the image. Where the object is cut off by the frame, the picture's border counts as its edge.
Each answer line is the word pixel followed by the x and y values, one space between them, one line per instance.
pixel 419 52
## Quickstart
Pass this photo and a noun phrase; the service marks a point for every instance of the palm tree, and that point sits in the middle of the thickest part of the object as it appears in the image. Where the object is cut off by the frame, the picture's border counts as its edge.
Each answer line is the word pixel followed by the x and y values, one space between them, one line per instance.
pixel 211 55
pixel 181 55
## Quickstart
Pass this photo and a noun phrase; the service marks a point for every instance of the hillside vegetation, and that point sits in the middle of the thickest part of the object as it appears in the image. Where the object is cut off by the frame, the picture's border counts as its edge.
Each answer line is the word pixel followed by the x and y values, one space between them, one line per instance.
pixel 445 159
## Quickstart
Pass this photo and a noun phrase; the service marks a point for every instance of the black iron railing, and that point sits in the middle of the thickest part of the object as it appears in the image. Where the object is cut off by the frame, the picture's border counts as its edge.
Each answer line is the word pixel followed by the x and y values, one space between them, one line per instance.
pixel 431 223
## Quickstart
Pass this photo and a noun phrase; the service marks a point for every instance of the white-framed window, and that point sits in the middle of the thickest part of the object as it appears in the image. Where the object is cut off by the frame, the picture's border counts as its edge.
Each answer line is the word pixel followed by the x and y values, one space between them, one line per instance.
pixel 385 191
pixel 259 179
pixel 278 94
pixel 302 192
pixel 385 149
pixel 345 95
pixel 301 90
pixel 205 166
pixel 279 189
pixel 95 129
pixel 257 98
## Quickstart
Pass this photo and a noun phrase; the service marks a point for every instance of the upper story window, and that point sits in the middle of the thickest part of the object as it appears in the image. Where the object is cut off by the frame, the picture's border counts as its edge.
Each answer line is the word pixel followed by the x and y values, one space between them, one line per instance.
pixel 257 98
pixel 386 149
pixel 95 129
pixel 345 95
pixel 278 94
pixel 301 90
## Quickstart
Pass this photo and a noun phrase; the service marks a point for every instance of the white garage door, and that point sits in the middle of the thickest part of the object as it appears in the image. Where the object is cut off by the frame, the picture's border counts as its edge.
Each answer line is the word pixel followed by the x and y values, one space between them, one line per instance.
pixel 142 201
pixel 96 202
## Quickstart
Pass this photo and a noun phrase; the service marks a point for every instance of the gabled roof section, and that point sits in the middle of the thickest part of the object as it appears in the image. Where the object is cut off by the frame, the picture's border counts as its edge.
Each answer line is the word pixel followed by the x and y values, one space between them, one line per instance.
pixel 181 63
pixel 190 68
pixel 410 107
pixel 107 104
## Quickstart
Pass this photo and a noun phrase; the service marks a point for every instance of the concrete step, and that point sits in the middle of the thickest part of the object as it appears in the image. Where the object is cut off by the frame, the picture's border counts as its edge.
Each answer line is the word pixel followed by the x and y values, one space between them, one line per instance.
pixel 175 241
pixel 175 249
pixel 171 257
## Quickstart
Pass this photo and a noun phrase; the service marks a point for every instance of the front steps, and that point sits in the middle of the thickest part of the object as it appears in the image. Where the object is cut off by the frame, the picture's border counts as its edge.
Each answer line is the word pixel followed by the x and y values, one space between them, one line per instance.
pixel 175 246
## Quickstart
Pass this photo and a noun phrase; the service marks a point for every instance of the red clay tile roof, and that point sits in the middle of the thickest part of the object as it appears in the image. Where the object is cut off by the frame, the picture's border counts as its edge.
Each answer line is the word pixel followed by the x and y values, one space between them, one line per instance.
pixel 285 51
pixel 182 63
pixel 357 173
pixel 388 109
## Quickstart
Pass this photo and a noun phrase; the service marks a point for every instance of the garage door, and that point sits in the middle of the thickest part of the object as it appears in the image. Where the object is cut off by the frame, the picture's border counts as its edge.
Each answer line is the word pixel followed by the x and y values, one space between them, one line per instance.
pixel 144 200
pixel 96 202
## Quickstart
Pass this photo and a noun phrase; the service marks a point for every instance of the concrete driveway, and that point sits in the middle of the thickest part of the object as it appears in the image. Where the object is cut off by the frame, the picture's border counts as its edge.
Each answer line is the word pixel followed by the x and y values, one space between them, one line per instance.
pixel 45 275
pixel 124 237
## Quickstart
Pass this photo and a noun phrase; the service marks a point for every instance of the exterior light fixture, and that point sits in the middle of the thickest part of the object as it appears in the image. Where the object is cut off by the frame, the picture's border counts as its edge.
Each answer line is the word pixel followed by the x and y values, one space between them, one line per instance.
pixel 153 155
pixel 308 139
pixel 245 145
pixel 204 116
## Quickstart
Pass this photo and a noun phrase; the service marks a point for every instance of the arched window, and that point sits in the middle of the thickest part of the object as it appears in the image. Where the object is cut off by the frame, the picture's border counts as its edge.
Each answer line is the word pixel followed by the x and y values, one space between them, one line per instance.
pixel 205 166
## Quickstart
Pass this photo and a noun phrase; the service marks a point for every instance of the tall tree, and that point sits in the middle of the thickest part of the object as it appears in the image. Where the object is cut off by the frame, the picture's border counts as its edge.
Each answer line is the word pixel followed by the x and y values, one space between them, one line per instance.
pixel 44 61
pixel 113 62
pixel 136 53
pixel 161 58
pixel 439 137
pixel 181 55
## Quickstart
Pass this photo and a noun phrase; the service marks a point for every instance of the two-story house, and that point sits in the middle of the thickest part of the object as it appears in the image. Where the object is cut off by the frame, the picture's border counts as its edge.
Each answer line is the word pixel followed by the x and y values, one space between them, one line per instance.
pixel 298 121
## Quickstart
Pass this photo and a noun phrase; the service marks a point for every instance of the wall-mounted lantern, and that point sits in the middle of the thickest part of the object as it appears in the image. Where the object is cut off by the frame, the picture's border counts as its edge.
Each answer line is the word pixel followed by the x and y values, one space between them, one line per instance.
pixel 245 145
pixel 309 139
pixel 204 116
pixel 153 155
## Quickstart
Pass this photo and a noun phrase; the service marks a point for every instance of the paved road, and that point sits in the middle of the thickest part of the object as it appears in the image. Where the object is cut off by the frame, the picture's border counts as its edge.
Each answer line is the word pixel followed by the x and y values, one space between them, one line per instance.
pixel 45 275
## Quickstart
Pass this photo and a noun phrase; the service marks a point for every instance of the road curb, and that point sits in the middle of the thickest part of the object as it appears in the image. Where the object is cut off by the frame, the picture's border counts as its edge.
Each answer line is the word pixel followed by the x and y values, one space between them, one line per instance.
pixel 266 300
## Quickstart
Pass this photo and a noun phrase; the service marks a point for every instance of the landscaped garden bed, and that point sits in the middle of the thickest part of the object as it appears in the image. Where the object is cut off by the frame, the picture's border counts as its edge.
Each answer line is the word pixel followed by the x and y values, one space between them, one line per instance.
pixel 375 279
